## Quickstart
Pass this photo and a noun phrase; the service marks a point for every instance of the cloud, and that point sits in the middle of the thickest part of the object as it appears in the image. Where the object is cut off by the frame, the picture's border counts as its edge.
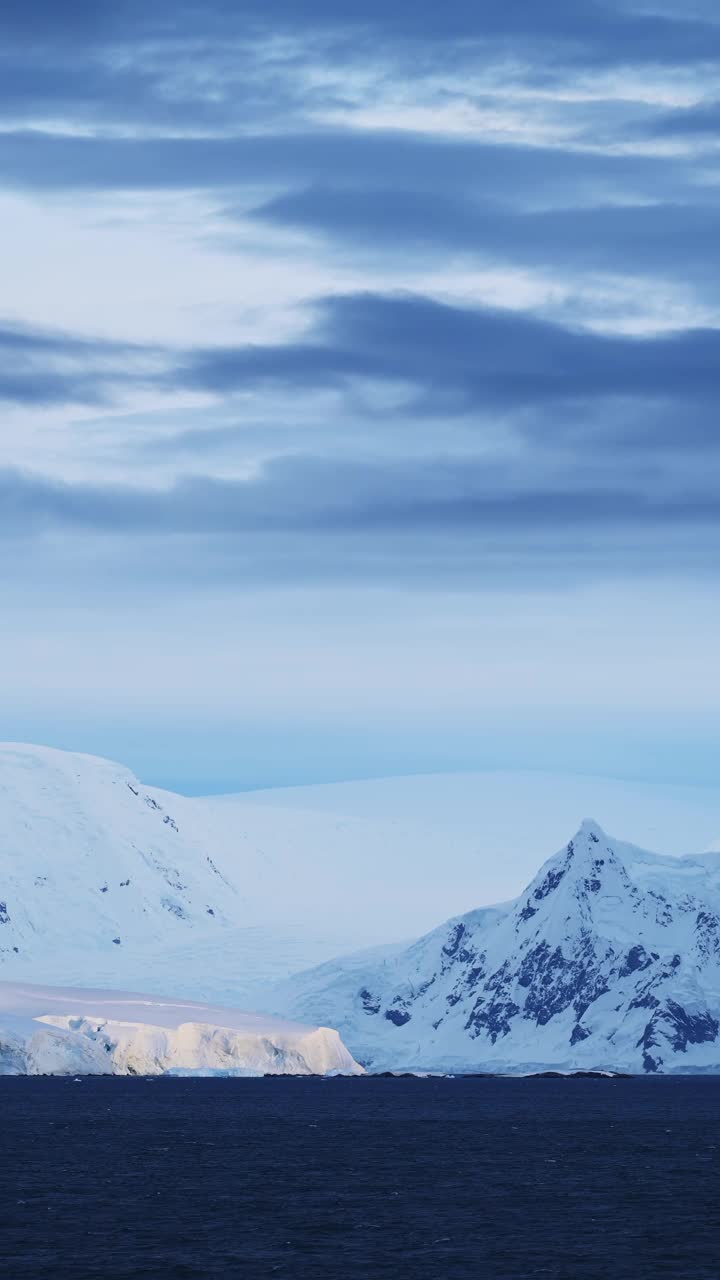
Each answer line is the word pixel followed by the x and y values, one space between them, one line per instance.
pixel 660 239
pixel 398 496
pixel 131 96
pixel 442 360
pixel 434 526
pixel 700 120
pixel 48 161
pixel 572 30
pixel 429 498
pixel 43 368
pixel 464 359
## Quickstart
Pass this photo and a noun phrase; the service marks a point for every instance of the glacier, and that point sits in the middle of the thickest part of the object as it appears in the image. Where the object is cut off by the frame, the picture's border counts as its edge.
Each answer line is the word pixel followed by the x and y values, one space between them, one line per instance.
pixel 609 960
pixel 108 881
pixel 60 1031
pixel 269 900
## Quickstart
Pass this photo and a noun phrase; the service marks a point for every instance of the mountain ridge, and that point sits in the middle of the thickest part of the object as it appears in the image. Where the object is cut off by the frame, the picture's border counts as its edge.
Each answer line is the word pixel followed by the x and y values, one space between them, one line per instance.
pixel 109 883
pixel 610 959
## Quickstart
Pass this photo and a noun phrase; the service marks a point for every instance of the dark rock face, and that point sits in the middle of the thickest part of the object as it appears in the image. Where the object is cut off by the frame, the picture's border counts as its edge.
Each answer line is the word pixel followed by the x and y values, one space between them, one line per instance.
pixel 551 881
pixel 452 945
pixel 397 1016
pixel 493 1016
pixel 663 909
pixel 675 1027
pixel 707 934
pixel 370 1003
pixel 644 1001
pixel 458 951
pixel 4 913
pixel 636 959
pixel 554 981
pixel 689 1028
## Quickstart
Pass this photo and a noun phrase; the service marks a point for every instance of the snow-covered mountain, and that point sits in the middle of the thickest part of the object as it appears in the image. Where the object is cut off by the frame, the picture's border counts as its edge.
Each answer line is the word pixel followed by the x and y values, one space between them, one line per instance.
pixel 51 1031
pixel 106 882
pixel 92 858
pixel 610 959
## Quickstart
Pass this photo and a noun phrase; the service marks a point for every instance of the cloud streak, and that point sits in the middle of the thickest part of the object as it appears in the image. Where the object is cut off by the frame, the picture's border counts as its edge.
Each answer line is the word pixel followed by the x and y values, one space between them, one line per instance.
pixel 60 161
pixel 448 361
pixel 463 359
pixel 657 239
pixel 315 495
pixel 40 368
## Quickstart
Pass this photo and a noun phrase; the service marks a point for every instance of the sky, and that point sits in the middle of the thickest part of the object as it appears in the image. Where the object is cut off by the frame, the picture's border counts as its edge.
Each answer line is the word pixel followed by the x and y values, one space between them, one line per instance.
pixel 359 386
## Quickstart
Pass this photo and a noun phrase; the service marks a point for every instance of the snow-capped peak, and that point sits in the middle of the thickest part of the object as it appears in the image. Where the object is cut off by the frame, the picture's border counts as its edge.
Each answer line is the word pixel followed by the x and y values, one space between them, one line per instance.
pixel 588 866
pixel 590 829
pixel 610 959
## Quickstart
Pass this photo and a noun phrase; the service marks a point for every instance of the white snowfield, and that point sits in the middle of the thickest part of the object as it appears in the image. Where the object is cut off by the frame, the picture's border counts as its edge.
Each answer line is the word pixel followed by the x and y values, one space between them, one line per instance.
pixel 108 882
pixel 56 1031
pixel 609 960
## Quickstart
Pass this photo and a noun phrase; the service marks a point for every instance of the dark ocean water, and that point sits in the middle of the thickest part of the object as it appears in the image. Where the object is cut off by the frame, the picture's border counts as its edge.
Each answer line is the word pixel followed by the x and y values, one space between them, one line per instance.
pixel 358 1179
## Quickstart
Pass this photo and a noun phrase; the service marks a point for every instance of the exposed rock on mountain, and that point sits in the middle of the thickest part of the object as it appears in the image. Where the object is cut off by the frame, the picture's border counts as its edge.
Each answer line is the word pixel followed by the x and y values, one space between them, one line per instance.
pixel 609 960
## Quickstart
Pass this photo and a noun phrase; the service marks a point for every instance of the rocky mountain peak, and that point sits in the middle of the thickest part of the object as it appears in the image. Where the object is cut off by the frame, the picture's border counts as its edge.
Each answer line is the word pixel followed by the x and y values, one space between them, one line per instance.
pixel 574 882
pixel 610 959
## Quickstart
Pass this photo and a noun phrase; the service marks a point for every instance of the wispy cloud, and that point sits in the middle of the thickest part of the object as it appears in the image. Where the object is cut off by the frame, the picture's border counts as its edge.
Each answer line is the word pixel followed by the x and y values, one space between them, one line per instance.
pixel 41 368
pixel 466 358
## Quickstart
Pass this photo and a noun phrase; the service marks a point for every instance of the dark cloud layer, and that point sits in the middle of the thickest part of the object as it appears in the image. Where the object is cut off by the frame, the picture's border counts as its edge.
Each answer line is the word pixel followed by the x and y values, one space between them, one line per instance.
pixel 583 29
pixel 310 495
pixel 469 361
pixel 466 359
pixel 699 120
pixel 452 360
pixel 386 160
pixel 223 68
pixel 603 437
pixel 41 368
pixel 435 523
pixel 662 239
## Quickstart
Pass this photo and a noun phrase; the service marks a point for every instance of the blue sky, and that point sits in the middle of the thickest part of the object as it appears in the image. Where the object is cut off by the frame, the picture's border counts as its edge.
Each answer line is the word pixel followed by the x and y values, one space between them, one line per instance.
pixel 360 377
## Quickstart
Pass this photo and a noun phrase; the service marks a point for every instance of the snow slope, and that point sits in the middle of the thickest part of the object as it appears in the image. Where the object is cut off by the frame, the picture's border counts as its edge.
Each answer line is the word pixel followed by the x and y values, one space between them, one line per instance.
pixel 610 959
pixel 108 882
pixel 48 1030
pixel 105 881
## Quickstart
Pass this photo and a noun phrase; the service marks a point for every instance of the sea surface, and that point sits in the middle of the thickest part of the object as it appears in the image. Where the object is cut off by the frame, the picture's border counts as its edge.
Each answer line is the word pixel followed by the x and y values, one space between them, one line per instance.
pixel 360 1179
